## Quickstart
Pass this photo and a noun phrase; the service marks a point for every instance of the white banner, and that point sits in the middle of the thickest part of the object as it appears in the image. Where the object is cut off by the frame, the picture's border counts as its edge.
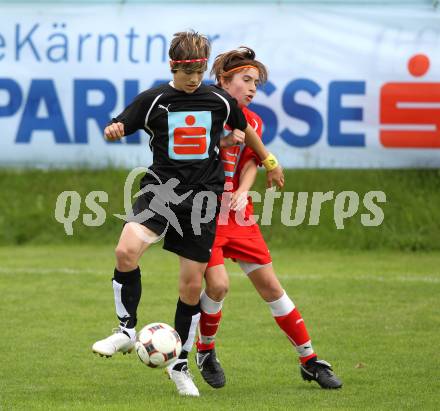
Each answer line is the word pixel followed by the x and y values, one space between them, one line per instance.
pixel 351 87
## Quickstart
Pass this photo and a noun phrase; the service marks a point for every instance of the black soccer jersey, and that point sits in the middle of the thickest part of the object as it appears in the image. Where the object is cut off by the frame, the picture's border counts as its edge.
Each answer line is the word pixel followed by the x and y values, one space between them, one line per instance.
pixel 185 131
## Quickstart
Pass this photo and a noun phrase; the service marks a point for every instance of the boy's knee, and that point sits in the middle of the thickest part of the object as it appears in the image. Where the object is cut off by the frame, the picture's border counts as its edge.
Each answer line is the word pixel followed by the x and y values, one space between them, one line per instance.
pixel 218 290
pixel 272 292
pixel 126 258
pixel 189 291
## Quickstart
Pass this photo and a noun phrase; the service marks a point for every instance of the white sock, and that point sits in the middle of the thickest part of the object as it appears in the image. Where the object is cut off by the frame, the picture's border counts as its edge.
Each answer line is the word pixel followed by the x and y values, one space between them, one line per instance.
pixel 130 331
pixel 283 306
pixel 208 305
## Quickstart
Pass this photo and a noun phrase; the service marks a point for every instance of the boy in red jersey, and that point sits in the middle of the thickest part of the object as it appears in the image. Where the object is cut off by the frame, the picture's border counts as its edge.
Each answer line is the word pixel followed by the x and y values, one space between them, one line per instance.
pixel 239 237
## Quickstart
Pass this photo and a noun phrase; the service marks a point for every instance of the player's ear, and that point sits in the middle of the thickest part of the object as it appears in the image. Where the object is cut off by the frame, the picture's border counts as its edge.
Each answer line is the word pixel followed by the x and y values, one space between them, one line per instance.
pixel 224 83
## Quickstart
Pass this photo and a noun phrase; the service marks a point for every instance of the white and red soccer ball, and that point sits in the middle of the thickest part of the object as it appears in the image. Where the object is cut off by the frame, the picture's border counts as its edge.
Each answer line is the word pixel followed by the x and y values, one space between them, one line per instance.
pixel 158 345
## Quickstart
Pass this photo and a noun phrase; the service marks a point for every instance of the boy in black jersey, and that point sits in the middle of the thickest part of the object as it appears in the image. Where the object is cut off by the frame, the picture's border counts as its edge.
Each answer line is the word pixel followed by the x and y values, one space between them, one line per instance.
pixel 185 120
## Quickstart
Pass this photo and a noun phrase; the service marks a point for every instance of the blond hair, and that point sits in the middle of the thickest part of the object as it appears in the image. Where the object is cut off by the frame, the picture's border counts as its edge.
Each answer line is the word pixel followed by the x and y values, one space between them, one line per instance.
pixel 189 45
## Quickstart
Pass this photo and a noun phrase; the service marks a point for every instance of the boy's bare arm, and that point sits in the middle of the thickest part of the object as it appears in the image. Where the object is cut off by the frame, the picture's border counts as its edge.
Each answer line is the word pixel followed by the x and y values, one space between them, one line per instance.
pixel 274 174
pixel 247 180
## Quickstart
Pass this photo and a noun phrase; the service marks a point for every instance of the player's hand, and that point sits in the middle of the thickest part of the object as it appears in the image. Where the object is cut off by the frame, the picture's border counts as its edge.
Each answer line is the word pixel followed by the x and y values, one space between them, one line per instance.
pixel 239 200
pixel 236 136
pixel 275 176
pixel 114 131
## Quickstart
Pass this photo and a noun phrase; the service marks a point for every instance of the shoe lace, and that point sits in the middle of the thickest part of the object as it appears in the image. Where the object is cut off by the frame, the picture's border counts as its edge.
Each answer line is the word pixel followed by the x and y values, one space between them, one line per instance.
pixel 212 363
pixel 120 330
pixel 325 371
pixel 187 373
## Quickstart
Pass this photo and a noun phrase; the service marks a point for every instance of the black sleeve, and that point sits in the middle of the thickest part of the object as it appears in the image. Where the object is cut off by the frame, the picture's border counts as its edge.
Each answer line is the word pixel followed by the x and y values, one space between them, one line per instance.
pixel 236 117
pixel 133 116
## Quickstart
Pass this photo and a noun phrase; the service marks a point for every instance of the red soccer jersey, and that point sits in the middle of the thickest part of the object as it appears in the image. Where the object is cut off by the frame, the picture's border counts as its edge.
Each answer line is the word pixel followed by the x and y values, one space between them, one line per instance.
pixel 234 158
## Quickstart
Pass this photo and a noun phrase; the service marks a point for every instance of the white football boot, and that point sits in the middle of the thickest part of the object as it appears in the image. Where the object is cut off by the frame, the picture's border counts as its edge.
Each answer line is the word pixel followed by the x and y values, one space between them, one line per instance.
pixel 184 381
pixel 122 340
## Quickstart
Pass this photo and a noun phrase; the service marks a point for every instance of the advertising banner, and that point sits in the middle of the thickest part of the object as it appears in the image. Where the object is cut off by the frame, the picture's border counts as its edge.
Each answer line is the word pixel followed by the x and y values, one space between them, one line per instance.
pixel 349 86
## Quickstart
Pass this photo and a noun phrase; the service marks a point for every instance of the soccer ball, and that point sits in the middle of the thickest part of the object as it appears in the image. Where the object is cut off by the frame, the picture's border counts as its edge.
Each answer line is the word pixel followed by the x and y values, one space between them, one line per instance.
pixel 158 345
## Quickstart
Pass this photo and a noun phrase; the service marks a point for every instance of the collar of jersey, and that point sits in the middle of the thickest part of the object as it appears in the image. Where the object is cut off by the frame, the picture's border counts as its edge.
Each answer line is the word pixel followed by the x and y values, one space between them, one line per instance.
pixel 171 84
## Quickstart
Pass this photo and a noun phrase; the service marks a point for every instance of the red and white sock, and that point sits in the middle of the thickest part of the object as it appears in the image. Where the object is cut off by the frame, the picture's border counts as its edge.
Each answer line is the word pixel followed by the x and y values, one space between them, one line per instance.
pixel 211 314
pixel 290 321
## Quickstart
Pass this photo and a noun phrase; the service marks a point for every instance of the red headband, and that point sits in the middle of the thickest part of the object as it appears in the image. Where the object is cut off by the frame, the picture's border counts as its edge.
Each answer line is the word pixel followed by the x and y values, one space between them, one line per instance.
pixel 189 61
pixel 240 68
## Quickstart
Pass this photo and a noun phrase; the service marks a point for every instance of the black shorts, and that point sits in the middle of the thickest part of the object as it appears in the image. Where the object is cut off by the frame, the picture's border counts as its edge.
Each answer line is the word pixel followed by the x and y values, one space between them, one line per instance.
pixel 195 215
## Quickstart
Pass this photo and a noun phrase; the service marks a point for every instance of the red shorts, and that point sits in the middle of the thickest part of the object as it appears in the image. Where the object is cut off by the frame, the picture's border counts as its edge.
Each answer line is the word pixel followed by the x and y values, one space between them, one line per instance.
pixel 251 250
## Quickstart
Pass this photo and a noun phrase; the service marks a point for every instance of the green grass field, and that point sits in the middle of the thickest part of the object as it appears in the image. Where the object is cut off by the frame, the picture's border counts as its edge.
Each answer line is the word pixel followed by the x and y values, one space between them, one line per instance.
pixel 373 314
pixel 412 215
